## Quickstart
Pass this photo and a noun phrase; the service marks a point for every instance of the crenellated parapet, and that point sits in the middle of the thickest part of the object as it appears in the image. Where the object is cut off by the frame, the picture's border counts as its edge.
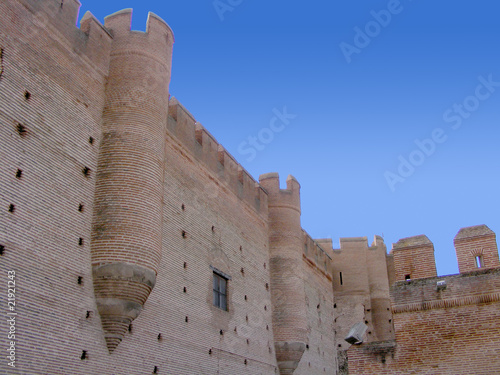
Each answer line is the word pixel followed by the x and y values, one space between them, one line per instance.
pixel 203 146
pixel 316 255
pixel 361 288
pixel 286 248
pixel 41 20
pixel 127 224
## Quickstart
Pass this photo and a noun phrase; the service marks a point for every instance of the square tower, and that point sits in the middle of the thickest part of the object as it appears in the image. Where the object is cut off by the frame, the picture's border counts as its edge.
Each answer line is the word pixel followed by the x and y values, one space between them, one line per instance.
pixel 476 248
pixel 414 258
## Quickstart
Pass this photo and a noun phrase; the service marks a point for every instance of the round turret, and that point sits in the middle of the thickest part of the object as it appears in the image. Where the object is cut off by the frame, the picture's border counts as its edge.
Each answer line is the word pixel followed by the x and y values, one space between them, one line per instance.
pixel 286 243
pixel 127 223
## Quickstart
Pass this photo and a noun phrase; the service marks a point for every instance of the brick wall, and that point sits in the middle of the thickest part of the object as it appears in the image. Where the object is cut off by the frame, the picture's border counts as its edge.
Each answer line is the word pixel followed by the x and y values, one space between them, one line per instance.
pixel 452 331
pixel 51 101
pixel 476 247
pixel 413 258
pixel 320 355
pixel 206 195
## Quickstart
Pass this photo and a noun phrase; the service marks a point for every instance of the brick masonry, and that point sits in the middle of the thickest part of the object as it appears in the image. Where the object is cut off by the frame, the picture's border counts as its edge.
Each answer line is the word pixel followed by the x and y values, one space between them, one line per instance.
pixel 117 207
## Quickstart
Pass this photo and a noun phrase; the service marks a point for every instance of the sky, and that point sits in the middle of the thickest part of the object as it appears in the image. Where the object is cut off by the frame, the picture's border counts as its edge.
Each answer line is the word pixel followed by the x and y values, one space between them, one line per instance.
pixel 386 112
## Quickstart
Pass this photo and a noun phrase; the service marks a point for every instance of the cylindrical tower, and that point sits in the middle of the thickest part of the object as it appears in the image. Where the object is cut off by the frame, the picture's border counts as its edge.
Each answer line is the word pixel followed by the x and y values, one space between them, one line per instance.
pixel 286 243
pixel 127 221
pixel 379 291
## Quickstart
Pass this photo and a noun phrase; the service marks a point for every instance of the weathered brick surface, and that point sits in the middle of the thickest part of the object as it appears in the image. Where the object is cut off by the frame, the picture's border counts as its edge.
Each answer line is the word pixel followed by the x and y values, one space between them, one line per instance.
pixel 414 258
pixel 472 242
pixel 108 188
pixel 454 331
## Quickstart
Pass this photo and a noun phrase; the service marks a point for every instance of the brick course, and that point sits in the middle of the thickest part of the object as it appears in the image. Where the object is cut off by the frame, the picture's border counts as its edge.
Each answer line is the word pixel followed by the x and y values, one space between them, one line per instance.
pixel 116 207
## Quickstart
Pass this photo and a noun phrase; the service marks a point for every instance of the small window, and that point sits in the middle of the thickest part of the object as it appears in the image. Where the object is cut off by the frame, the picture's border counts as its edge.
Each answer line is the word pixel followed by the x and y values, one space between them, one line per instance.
pixel 407 277
pixel 220 292
pixel 479 261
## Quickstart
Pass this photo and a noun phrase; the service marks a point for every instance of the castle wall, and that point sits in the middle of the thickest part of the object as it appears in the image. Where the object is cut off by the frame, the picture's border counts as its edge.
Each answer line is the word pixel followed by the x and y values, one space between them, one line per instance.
pixel 46 239
pixel 206 225
pixel 454 330
pixel 320 354
pixel 88 136
pixel 52 96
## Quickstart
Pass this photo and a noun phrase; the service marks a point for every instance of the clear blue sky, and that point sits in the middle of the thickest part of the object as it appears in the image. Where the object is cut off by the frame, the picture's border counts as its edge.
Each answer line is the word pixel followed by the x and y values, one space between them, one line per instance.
pixel 366 81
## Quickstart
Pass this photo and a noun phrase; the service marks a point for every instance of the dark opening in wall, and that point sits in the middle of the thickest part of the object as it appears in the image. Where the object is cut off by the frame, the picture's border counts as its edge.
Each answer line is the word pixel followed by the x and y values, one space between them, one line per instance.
pixel 88 315
pixel 27 95
pixel 185 265
pixel 19 174
pixel 86 171
pixel 407 277
pixel 155 370
pixel 221 332
pixel 80 207
pixel 1 62
pixel 184 234
pixel 186 320
pixel 12 208
pixel 341 280
pixel 209 351
pixel 2 249
pixel 160 337
pixel 213 228
pixel 184 290
pixel 84 355
pixel 21 129
pixel 91 140
pixel 246 298
pixel 80 241
pixel 243 271
pixel 248 342
pixel 183 207
pixel 246 362
pixel 80 280
pixel 130 328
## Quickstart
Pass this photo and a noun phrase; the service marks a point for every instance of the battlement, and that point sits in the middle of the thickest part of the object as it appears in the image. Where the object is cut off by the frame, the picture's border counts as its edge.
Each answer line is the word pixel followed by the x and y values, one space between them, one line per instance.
pixel 204 148
pixel 119 24
pixel 44 22
pixel 286 198
pixel 481 286
pixel 316 256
